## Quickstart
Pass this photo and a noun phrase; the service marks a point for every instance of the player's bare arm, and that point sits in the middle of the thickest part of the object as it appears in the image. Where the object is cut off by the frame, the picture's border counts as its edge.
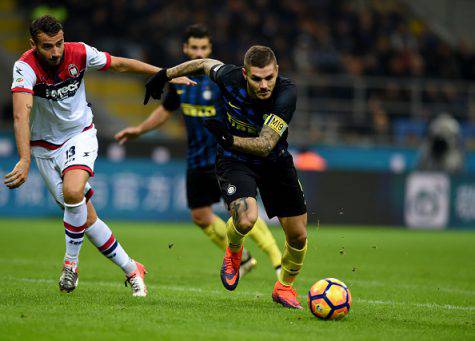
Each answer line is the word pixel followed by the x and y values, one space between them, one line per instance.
pixel 22 105
pixel 158 117
pixel 261 145
pixel 120 64
pixel 193 67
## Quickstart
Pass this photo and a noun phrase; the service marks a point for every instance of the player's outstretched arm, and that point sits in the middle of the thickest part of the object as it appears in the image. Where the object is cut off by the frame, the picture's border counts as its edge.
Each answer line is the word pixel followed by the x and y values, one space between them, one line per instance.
pixel 156 84
pixel 192 67
pixel 22 105
pixel 120 64
pixel 158 117
pixel 261 145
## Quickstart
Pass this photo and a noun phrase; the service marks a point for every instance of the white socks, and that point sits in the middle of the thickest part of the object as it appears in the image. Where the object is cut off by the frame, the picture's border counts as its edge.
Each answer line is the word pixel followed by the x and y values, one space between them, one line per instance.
pixel 101 236
pixel 75 216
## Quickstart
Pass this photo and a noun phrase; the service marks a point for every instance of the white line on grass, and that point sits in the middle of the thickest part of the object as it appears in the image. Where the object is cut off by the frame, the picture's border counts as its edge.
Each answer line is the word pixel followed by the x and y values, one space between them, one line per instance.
pixel 247 294
pixel 419 305
pixel 373 283
pixel 410 286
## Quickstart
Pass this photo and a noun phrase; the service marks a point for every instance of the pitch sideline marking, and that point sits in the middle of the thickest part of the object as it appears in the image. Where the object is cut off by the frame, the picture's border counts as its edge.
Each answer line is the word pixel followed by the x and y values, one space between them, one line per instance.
pixel 350 281
pixel 247 294
pixel 409 286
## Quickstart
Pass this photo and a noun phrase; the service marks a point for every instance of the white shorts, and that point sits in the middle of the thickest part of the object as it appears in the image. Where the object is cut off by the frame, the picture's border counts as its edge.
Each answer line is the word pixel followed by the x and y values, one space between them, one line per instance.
pixel 79 152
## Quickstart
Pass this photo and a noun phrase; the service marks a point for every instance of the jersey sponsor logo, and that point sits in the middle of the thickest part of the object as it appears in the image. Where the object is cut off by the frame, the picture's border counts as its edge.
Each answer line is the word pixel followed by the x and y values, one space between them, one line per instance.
pixel 59 91
pixel 19 80
pixel 198 110
pixel 276 123
pixel 18 70
pixel 73 70
pixel 240 125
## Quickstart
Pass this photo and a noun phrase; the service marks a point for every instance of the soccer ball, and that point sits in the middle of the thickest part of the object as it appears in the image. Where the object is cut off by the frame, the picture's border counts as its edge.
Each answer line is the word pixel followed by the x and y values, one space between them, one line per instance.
pixel 329 299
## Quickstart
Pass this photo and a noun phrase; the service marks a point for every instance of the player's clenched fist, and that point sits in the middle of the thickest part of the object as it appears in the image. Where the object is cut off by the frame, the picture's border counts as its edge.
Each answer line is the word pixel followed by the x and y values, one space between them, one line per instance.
pixel 18 175
pixel 154 86
pixel 156 83
pixel 128 133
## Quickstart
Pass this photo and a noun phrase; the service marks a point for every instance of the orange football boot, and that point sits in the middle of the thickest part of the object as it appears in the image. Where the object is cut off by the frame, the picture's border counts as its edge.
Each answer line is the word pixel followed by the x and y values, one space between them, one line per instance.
pixel 230 268
pixel 285 295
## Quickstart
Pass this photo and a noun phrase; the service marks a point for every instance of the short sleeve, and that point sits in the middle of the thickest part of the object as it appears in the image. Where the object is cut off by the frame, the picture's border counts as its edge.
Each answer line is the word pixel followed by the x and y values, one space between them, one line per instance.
pixel 97 60
pixel 222 73
pixel 24 78
pixel 171 100
pixel 283 109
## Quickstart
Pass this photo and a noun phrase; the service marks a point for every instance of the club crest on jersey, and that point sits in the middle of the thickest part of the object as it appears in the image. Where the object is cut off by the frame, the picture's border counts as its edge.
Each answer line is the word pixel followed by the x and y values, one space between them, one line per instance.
pixel 231 189
pixel 207 94
pixel 73 70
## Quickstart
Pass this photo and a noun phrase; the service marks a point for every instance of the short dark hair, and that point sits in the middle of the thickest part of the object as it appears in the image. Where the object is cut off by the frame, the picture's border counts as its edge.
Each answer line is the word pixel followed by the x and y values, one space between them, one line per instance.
pixel 45 24
pixel 196 31
pixel 259 56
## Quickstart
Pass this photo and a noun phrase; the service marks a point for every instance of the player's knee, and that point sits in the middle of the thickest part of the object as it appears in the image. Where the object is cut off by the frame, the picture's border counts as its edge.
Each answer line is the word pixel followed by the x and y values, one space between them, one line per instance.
pixel 73 194
pixel 201 219
pixel 245 222
pixel 297 238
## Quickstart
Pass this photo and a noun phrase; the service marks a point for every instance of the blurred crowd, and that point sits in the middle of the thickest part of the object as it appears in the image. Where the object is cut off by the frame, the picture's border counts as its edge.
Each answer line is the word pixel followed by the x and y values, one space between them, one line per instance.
pixel 326 36
pixel 310 37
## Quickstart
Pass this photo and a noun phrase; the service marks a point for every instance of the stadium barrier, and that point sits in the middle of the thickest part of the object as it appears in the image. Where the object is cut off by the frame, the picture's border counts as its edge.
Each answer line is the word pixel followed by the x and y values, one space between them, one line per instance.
pixel 141 190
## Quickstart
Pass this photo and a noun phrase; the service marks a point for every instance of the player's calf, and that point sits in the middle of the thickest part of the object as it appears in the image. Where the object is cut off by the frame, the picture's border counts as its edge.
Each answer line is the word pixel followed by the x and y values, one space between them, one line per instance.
pixel 102 237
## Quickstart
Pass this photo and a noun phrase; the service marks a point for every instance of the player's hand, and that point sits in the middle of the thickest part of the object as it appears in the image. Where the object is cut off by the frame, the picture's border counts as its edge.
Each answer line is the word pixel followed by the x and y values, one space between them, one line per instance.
pixel 183 81
pixel 127 134
pixel 219 131
pixel 155 84
pixel 18 175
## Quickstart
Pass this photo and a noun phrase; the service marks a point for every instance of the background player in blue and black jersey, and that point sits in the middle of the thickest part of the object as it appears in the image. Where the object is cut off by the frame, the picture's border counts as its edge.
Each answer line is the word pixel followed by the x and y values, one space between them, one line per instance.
pixel 252 154
pixel 198 103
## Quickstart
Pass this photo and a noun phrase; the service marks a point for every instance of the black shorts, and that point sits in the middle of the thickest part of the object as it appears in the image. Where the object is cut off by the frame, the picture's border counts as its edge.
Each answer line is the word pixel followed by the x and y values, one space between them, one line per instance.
pixel 202 188
pixel 277 181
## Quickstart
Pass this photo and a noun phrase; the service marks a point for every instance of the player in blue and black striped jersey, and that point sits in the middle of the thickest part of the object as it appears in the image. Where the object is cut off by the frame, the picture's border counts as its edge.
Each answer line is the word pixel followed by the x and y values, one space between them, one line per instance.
pixel 198 103
pixel 252 154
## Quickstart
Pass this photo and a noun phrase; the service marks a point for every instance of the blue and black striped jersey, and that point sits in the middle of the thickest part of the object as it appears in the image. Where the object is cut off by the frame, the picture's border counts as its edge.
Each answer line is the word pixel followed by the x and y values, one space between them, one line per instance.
pixel 197 104
pixel 245 116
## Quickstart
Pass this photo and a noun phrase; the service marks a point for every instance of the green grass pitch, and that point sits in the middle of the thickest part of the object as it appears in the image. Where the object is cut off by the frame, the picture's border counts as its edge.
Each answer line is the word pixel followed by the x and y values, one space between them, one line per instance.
pixel 405 285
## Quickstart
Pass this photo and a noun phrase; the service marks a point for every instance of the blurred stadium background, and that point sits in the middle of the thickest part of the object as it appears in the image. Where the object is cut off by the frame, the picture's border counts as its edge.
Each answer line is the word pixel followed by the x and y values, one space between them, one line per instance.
pixel 372 76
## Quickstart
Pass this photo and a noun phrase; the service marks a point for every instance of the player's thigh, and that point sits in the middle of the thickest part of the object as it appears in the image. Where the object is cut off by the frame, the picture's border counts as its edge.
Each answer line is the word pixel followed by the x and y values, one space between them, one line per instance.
pixel 280 189
pixel 76 160
pixel 50 171
pixel 74 184
pixel 52 177
pixel 202 188
pixel 236 180
pixel 79 152
pixel 295 229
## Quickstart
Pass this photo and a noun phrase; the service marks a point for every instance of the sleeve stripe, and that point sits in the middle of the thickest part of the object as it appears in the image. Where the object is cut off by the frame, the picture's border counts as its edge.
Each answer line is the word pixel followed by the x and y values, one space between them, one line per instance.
pixel 18 89
pixel 108 62
pixel 268 119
